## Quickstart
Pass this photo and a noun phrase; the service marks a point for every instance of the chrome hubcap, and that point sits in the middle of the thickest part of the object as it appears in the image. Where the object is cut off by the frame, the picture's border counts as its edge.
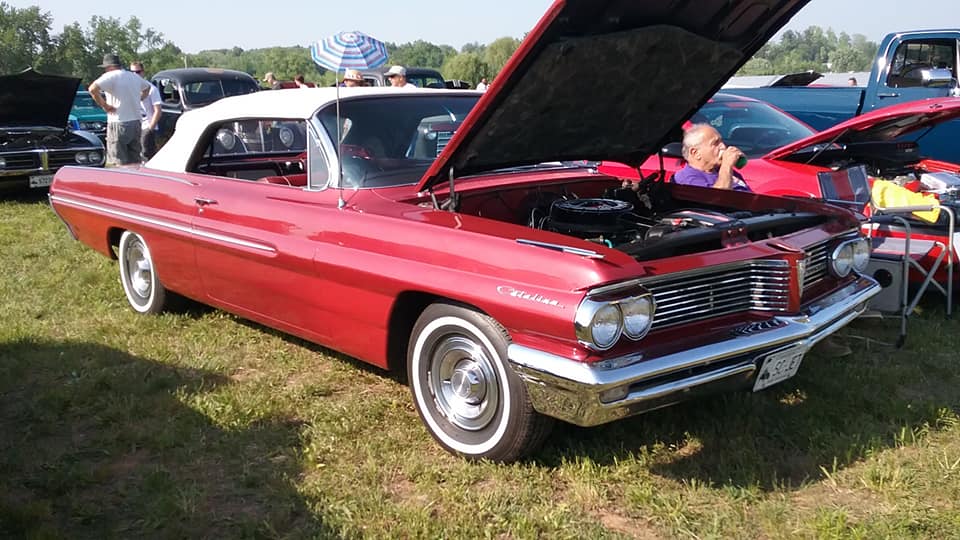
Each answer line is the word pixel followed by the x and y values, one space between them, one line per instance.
pixel 139 270
pixel 463 383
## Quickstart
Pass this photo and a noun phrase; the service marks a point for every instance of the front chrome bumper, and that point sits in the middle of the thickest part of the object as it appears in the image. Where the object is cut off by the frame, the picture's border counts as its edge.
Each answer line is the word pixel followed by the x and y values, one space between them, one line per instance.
pixel 572 390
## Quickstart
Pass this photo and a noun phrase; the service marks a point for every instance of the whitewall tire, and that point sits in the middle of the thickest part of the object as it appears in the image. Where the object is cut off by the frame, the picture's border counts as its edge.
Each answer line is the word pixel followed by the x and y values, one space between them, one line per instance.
pixel 469 398
pixel 145 293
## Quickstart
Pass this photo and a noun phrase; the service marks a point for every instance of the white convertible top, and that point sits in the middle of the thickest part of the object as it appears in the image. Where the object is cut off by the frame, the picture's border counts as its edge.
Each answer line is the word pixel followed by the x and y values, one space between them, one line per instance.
pixel 292 103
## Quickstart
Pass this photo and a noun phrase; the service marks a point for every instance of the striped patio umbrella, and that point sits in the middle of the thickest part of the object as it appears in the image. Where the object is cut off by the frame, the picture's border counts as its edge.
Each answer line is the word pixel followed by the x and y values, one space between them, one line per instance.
pixel 349 50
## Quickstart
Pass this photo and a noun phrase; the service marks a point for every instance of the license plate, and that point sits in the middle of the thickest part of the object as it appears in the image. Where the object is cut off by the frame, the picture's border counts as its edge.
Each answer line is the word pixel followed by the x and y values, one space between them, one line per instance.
pixel 42 180
pixel 779 367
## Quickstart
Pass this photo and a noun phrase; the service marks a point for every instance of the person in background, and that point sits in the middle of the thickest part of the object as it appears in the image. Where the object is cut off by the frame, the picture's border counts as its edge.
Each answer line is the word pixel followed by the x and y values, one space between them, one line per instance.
pixel 149 117
pixel 271 80
pixel 298 80
pixel 119 92
pixel 482 85
pixel 709 161
pixel 352 78
pixel 397 75
pixel 852 81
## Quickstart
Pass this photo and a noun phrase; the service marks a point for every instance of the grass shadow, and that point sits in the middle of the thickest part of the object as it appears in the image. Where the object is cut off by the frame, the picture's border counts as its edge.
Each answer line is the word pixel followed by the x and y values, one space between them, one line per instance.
pixel 99 443
pixel 834 413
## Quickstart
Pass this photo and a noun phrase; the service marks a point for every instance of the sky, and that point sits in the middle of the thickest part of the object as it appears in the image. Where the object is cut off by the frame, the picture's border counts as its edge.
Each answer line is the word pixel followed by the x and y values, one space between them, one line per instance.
pixel 218 24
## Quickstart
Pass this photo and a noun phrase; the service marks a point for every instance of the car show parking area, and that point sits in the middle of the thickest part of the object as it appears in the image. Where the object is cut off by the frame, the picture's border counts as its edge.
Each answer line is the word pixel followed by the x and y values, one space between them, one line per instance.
pixel 199 423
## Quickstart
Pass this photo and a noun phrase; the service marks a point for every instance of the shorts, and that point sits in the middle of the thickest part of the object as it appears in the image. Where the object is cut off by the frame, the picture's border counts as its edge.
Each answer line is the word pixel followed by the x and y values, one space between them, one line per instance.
pixel 123 143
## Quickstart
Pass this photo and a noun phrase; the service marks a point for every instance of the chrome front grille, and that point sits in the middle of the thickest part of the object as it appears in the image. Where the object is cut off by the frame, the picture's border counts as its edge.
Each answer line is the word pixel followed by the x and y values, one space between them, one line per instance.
pixel 815 264
pixel 721 290
pixel 20 161
pixel 55 160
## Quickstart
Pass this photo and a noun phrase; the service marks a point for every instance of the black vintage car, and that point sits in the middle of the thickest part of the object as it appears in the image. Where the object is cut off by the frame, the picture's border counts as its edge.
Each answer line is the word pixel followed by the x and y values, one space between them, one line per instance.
pixel 189 88
pixel 35 139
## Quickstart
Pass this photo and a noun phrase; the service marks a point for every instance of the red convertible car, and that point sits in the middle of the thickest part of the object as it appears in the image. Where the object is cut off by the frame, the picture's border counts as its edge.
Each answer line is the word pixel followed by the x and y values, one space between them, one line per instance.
pixel 397 228
pixel 785 155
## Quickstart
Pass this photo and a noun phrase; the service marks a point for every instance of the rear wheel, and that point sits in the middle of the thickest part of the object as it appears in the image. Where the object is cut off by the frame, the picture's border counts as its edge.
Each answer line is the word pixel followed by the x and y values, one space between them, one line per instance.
pixel 470 400
pixel 139 276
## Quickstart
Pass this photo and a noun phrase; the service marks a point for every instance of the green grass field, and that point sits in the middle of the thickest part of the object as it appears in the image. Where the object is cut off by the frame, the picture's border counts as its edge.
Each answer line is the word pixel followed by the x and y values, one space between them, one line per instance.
pixel 202 425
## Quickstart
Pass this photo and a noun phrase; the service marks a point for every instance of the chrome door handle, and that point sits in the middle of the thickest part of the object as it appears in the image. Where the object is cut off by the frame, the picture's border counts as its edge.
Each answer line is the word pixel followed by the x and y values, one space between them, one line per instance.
pixel 884 94
pixel 204 202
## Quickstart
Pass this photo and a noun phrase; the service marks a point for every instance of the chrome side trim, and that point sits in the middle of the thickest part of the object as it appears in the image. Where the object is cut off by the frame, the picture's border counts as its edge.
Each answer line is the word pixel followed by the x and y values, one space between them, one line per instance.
pixel 559 247
pixel 571 390
pixel 162 224
pixel 60 217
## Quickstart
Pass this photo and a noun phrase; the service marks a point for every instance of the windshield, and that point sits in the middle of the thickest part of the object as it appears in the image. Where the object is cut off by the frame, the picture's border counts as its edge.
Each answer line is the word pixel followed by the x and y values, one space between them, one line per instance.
pixel 391 141
pixel 199 93
pixel 426 81
pixel 754 127
pixel 83 100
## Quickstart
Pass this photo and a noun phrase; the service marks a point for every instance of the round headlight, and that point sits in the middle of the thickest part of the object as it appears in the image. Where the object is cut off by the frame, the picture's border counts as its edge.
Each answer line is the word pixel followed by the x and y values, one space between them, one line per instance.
pixel 861 254
pixel 637 316
pixel 606 326
pixel 3 163
pixel 227 139
pixel 286 136
pixel 842 260
pixel 80 157
pixel 94 157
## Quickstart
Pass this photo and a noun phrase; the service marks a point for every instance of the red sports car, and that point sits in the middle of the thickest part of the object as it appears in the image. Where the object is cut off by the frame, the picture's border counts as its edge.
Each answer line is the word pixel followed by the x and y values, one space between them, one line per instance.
pixel 440 232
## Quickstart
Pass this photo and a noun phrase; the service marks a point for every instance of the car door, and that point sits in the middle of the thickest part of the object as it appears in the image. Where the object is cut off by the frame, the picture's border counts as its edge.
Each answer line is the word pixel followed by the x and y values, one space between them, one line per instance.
pixel 903 78
pixel 254 249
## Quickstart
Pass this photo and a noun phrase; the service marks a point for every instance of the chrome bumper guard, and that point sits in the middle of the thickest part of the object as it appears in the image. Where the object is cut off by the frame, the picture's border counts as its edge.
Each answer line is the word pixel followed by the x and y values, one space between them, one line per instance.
pixel 593 394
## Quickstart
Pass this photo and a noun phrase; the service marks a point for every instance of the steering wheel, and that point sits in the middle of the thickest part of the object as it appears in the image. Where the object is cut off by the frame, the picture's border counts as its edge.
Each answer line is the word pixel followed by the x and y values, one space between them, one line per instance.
pixel 913 71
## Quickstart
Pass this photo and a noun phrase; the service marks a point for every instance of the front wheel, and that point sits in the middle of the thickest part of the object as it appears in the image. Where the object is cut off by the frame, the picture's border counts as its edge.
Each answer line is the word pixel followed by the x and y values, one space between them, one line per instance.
pixel 139 275
pixel 470 400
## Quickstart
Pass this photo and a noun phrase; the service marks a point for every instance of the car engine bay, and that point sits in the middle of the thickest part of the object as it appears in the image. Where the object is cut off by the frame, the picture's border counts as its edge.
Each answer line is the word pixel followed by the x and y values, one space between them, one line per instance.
pixel 643 220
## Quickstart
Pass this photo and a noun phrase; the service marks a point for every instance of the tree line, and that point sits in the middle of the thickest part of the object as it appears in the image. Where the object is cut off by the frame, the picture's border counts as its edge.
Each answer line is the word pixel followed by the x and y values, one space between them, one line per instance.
pixel 27 39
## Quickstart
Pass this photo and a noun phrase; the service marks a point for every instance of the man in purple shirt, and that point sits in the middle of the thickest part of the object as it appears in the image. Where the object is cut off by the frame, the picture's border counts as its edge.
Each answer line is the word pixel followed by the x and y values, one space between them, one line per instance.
pixel 709 162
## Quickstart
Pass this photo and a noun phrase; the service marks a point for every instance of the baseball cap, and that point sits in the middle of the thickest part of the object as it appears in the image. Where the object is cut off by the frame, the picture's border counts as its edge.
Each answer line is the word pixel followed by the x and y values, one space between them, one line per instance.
pixel 396 70
pixel 352 75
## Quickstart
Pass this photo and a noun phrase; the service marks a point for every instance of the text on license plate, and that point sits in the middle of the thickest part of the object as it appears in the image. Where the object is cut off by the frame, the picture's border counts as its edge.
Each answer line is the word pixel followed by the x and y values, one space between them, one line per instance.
pixel 779 366
pixel 41 180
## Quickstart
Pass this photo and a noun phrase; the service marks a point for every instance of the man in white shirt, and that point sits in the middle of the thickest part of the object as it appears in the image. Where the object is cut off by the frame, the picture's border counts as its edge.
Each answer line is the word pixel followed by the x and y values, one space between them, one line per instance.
pixel 121 92
pixel 149 116
pixel 482 85
pixel 397 75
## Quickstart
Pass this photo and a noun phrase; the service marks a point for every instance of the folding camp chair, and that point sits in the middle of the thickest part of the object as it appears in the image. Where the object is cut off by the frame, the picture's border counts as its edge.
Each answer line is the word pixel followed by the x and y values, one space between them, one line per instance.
pixel 894 258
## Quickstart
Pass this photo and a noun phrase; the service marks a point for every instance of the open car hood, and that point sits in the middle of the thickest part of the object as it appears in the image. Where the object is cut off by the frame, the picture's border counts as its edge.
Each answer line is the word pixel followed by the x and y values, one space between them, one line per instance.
pixel 31 99
pixel 881 125
pixel 802 78
pixel 607 80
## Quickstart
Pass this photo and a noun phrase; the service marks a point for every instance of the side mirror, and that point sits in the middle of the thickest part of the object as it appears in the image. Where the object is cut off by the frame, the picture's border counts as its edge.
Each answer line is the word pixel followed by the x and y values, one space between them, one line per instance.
pixel 937 77
pixel 673 150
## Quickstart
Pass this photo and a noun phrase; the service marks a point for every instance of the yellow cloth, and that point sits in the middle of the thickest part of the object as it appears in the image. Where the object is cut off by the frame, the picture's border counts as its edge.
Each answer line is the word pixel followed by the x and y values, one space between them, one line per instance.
pixel 889 195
